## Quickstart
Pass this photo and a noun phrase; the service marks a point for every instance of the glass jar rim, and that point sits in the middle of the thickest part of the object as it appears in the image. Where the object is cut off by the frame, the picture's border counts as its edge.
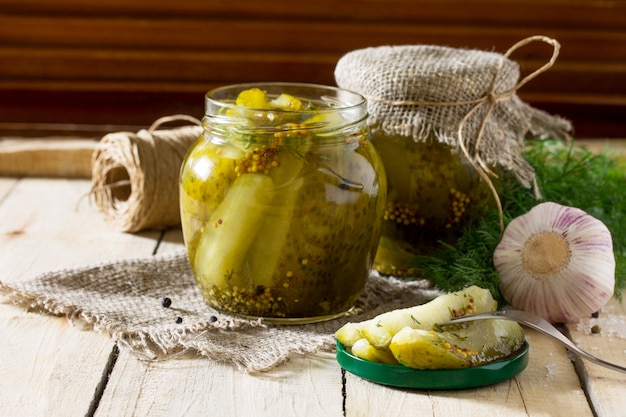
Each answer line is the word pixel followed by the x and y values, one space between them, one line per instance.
pixel 336 98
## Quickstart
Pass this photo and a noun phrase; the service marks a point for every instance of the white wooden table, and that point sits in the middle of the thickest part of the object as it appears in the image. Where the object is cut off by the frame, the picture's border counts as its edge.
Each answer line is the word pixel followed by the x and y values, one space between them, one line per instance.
pixel 50 368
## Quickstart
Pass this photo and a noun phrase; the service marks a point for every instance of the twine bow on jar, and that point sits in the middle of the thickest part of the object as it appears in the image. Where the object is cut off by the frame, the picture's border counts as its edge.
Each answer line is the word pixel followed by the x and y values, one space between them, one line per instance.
pixel 492 98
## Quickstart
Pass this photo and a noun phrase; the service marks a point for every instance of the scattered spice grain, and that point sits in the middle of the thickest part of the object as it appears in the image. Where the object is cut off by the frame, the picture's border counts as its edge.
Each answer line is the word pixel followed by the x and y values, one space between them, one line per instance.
pixel 166 302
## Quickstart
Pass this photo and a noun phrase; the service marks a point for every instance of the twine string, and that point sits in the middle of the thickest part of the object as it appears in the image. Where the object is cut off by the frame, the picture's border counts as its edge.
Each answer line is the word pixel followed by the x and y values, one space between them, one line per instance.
pixel 173 118
pixel 135 174
pixel 492 98
pixel 109 186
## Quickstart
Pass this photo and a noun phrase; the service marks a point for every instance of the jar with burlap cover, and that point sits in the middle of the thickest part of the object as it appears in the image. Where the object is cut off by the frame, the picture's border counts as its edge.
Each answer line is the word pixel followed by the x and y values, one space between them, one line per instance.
pixel 445 121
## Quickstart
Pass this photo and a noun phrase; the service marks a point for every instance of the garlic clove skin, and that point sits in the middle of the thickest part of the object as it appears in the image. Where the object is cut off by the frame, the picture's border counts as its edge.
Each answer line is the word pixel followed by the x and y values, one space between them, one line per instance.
pixel 556 262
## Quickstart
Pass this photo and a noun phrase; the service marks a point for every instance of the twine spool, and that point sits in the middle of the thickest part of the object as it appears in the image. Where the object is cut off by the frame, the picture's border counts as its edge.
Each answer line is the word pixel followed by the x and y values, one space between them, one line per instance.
pixel 135 175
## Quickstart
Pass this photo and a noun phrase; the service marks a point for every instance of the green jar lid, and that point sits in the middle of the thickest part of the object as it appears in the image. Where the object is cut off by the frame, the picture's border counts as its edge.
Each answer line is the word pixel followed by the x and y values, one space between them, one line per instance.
pixel 438 379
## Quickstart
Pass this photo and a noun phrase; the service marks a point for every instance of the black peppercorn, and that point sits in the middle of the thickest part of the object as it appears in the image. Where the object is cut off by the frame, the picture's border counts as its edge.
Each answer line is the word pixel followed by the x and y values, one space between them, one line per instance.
pixel 212 319
pixel 179 320
pixel 166 302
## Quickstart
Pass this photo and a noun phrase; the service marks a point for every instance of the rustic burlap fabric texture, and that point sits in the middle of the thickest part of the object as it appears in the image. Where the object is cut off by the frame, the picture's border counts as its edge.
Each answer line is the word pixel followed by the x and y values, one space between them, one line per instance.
pixel 463 98
pixel 123 299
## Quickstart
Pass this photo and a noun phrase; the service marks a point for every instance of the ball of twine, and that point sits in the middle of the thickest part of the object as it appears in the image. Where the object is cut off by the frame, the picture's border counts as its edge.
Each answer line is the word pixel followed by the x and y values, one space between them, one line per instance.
pixel 135 175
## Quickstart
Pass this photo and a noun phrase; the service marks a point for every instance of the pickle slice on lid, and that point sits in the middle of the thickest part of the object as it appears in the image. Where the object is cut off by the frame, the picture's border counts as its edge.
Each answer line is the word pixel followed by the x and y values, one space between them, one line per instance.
pixel 479 343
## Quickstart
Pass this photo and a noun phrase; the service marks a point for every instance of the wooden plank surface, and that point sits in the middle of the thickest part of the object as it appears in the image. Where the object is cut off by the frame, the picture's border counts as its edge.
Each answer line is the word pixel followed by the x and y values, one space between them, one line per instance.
pixel 48 368
pixel 194 387
pixel 211 33
pixel 605 389
pixel 206 388
pixel 549 370
pixel 155 57
pixel 51 157
pixel 602 14
pixel 59 157
pixel 5 186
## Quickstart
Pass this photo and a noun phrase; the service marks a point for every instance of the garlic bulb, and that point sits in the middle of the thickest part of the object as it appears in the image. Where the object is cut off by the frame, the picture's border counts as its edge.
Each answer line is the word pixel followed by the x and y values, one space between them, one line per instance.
pixel 556 262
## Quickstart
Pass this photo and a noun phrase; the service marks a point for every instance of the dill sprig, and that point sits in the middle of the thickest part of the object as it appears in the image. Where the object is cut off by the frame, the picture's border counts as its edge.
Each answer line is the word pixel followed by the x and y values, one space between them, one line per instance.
pixel 568 175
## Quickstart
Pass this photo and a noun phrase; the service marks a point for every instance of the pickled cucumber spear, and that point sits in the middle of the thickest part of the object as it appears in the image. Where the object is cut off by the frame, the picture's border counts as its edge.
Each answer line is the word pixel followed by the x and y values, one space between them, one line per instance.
pixel 267 248
pixel 380 330
pixel 479 343
pixel 230 232
pixel 412 336
pixel 364 350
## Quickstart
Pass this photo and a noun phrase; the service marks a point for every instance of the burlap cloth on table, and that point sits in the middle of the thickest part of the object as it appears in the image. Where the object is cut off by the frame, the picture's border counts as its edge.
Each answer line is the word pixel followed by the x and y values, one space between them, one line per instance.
pixel 123 299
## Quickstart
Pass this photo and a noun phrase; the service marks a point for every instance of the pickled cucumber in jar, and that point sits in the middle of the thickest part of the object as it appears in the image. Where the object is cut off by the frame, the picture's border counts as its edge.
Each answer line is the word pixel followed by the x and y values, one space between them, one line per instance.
pixel 282 200
pixel 433 195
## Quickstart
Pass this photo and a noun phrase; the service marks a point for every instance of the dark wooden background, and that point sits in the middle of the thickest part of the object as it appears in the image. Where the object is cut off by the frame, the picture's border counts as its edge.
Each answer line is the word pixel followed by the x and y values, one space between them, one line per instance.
pixel 100 65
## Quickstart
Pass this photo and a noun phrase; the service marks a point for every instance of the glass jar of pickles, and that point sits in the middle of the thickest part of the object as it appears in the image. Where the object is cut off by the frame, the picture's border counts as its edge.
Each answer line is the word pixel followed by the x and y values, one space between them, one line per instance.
pixel 433 195
pixel 282 199
pixel 444 120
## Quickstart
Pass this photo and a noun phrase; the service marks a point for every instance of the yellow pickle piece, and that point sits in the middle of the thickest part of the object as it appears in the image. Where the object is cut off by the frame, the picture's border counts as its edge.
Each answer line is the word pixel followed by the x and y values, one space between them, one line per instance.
pixel 478 343
pixel 253 98
pixel 364 350
pixel 287 102
pixel 415 338
pixel 472 300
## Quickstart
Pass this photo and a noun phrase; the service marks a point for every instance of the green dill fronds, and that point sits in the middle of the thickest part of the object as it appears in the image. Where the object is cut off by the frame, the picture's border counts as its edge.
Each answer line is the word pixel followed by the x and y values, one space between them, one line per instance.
pixel 568 175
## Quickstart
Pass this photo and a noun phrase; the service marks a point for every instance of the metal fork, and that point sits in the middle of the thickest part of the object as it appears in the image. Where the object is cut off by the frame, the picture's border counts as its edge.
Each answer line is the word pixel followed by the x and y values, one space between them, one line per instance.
pixel 541 325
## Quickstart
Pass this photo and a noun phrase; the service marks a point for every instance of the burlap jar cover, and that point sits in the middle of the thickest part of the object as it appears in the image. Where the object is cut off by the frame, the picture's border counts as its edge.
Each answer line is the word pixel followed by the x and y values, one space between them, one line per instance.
pixel 465 96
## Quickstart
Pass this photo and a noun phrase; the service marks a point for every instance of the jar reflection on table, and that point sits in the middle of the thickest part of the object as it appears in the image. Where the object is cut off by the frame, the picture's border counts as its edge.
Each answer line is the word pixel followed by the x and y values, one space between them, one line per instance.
pixel 282 200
